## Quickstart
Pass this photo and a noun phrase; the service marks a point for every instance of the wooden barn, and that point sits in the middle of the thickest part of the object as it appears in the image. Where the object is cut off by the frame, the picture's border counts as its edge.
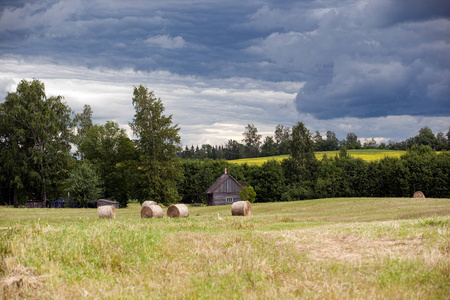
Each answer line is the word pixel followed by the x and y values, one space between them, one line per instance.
pixel 224 191
pixel 34 204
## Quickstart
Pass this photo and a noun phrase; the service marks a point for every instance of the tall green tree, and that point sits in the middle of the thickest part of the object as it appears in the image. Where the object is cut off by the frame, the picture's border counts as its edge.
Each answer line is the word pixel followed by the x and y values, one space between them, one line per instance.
pixel 318 140
pixel 331 143
pixel 113 154
pixel 302 144
pixel 41 129
pixel 13 160
pixel 352 142
pixel 233 150
pixel 252 141
pixel 158 142
pixel 441 141
pixel 424 138
pixel 282 138
pixel 269 147
pixel 302 164
pixel 82 124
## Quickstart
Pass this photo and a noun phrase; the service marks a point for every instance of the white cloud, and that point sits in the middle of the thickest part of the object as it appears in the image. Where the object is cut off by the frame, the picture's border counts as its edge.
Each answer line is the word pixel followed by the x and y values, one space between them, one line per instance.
pixel 207 110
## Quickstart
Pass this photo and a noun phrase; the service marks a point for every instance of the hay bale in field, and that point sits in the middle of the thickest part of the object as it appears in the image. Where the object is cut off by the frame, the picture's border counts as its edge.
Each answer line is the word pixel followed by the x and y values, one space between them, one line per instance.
pixel 148 203
pixel 106 212
pixel 178 211
pixel 241 208
pixel 418 194
pixel 152 211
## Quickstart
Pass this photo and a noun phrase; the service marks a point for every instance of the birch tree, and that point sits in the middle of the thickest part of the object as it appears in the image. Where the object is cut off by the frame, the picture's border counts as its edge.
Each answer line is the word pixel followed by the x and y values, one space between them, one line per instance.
pixel 157 142
pixel 38 133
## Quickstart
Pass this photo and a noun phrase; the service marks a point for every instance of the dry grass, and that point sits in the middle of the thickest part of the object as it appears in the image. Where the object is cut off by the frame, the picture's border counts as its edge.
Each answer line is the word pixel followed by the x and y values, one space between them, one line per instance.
pixel 19 281
pixel 311 249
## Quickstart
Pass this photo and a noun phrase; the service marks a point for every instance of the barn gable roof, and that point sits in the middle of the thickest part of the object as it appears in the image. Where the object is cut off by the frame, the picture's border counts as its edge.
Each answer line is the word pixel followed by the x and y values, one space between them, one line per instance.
pixel 219 182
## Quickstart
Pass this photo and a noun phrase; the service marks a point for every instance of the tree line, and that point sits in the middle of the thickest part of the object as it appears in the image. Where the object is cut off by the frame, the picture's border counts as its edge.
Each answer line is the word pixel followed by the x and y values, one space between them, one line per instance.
pixel 47 151
pixel 420 168
pixel 252 145
pixel 302 176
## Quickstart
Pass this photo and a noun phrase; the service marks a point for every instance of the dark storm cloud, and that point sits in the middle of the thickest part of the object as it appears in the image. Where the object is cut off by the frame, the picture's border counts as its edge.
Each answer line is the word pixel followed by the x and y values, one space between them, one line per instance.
pixel 366 58
pixel 360 67
pixel 390 12
pixel 199 37
pixel 361 58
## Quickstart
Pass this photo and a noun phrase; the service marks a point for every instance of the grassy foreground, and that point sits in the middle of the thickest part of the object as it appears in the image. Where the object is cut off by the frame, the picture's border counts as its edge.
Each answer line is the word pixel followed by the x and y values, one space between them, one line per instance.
pixel 365 154
pixel 320 249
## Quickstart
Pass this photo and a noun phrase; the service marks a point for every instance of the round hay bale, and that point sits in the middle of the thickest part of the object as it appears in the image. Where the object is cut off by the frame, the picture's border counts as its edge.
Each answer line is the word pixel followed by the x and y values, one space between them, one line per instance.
pixel 152 211
pixel 148 203
pixel 241 208
pixel 178 211
pixel 106 212
pixel 418 194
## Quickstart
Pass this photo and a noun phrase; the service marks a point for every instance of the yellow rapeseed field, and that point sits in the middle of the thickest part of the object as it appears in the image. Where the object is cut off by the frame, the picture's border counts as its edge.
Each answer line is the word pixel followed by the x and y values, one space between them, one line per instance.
pixel 367 155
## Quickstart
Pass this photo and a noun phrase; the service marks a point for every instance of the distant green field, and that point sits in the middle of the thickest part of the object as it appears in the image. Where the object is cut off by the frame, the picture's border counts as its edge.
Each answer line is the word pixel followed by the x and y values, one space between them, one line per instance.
pixel 367 155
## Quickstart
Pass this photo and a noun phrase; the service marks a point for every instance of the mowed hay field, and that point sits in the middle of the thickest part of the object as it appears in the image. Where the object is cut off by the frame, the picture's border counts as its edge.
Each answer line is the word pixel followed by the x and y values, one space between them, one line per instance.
pixel 365 154
pixel 362 248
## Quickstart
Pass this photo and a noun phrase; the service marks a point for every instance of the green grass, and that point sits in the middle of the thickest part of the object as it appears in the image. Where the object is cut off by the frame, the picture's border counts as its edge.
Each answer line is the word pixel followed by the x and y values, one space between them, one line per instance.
pixel 365 154
pixel 319 249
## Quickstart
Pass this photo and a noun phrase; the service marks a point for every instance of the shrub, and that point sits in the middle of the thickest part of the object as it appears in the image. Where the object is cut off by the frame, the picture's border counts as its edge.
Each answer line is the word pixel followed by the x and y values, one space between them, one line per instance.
pixel 84 184
pixel 247 193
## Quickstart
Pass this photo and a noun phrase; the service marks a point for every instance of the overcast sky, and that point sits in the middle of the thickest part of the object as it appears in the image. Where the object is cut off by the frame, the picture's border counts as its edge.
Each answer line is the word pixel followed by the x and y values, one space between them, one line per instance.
pixel 378 68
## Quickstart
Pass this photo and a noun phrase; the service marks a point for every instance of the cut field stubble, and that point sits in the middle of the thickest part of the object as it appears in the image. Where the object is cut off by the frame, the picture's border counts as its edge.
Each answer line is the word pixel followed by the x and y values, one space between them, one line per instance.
pixel 276 253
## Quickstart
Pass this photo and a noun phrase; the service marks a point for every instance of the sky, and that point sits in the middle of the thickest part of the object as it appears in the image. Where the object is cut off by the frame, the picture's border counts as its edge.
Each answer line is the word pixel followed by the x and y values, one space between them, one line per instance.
pixel 377 68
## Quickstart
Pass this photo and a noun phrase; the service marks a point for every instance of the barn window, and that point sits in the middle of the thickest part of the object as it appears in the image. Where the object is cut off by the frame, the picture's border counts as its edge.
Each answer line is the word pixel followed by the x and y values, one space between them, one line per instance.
pixel 229 200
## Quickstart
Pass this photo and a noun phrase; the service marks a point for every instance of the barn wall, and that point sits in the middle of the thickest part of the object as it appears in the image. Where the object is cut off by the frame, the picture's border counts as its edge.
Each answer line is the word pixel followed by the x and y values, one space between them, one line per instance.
pixel 219 198
pixel 228 186
pixel 34 204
